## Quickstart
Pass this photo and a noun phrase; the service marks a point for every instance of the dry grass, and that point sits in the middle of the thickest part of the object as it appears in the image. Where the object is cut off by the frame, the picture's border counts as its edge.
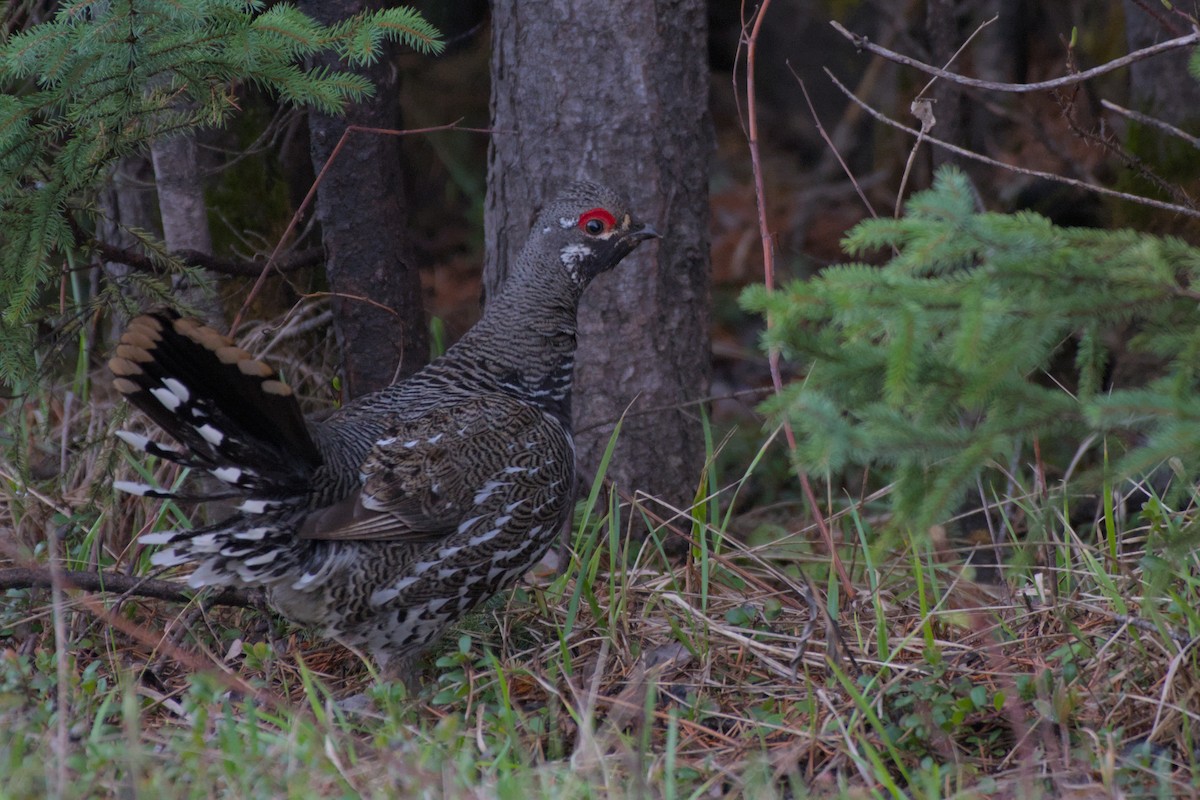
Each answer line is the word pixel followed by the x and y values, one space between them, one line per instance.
pixel 739 671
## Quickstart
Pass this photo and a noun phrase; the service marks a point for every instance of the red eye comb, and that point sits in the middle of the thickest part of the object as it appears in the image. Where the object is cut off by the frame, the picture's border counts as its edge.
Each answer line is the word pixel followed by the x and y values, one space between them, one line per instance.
pixel 598 213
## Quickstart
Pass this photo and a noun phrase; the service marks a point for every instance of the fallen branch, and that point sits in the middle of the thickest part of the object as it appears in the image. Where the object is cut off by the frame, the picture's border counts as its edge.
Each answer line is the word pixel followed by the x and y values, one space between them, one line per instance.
pixel 41 578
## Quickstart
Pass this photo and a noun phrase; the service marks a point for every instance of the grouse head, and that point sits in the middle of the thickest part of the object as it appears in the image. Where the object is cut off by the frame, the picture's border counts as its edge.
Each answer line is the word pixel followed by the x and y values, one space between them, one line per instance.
pixel 585 231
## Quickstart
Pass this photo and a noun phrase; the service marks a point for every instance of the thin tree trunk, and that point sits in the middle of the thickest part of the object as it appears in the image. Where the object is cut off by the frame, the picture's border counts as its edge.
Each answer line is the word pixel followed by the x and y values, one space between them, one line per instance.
pixel 377 304
pixel 942 24
pixel 184 213
pixel 181 194
pixel 127 201
pixel 626 104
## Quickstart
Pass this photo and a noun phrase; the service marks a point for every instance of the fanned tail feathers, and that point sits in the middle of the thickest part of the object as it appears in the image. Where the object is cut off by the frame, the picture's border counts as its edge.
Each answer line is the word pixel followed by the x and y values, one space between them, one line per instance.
pixel 236 421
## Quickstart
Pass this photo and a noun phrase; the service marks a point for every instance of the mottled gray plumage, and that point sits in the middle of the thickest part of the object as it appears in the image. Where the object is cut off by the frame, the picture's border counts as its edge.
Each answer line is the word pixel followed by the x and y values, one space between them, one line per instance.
pixel 386 521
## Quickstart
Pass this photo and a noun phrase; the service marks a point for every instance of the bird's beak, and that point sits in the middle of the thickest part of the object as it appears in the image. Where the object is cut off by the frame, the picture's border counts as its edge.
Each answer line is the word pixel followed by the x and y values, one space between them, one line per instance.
pixel 642 232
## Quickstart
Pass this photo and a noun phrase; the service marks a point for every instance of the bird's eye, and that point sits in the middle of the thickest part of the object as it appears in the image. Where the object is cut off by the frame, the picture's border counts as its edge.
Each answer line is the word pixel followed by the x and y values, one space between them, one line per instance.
pixel 596 221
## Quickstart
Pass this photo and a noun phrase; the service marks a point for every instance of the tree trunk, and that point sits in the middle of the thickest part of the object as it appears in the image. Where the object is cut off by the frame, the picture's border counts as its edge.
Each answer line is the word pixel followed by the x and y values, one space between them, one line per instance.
pixel 377 305
pixel 127 201
pixel 626 104
pixel 941 22
pixel 180 194
pixel 184 215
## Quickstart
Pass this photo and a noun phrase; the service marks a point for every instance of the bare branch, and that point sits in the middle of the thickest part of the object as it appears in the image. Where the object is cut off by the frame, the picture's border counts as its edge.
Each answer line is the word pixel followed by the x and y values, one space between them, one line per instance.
pixel 862 43
pixel 812 110
pixel 959 52
pixel 1153 122
pixel 246 269
pixel 1049 176
pixel 36 578
pixel 1106 141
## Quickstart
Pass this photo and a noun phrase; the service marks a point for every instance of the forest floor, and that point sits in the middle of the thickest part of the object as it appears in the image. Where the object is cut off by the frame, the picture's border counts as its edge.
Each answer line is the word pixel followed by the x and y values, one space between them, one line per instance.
pixel 741 669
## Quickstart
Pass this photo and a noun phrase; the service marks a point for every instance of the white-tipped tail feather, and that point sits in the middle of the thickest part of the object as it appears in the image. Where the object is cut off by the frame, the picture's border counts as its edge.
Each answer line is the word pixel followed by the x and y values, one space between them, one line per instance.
pixel 135 440
pixel 171 557
pixel 141 489
pixel 158 537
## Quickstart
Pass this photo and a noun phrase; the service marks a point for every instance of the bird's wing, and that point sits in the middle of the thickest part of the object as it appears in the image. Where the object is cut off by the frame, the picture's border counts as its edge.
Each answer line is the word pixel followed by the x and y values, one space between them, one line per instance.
pixel 428 476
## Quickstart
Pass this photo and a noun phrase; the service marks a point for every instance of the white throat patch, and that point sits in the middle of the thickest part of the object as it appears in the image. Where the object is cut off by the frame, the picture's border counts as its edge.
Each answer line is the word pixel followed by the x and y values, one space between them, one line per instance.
pixel 572 256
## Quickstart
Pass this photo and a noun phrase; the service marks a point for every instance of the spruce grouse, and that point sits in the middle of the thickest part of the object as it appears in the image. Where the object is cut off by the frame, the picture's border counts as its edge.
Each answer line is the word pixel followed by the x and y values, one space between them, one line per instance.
pixel 386 521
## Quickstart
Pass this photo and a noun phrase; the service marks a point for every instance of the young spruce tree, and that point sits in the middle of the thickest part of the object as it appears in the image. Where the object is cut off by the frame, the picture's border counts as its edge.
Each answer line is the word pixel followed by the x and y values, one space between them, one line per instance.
pixel 983 333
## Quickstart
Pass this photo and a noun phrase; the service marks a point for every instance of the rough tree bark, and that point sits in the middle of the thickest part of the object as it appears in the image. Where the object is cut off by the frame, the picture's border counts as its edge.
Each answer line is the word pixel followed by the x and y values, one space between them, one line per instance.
pixel 180 194
pixel 127 201
pixel 377 309
pixel 617 94
pixel 184 213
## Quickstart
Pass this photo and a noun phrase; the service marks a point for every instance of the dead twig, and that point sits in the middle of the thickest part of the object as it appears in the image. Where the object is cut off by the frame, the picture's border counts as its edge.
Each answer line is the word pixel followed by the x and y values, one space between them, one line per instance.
pixel 1106 141
pixel 862 43
pixel 812 110
pixel 1049 176
pixel 39 578
pixel 1146 119
pixel 753 393
pixel 922 109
